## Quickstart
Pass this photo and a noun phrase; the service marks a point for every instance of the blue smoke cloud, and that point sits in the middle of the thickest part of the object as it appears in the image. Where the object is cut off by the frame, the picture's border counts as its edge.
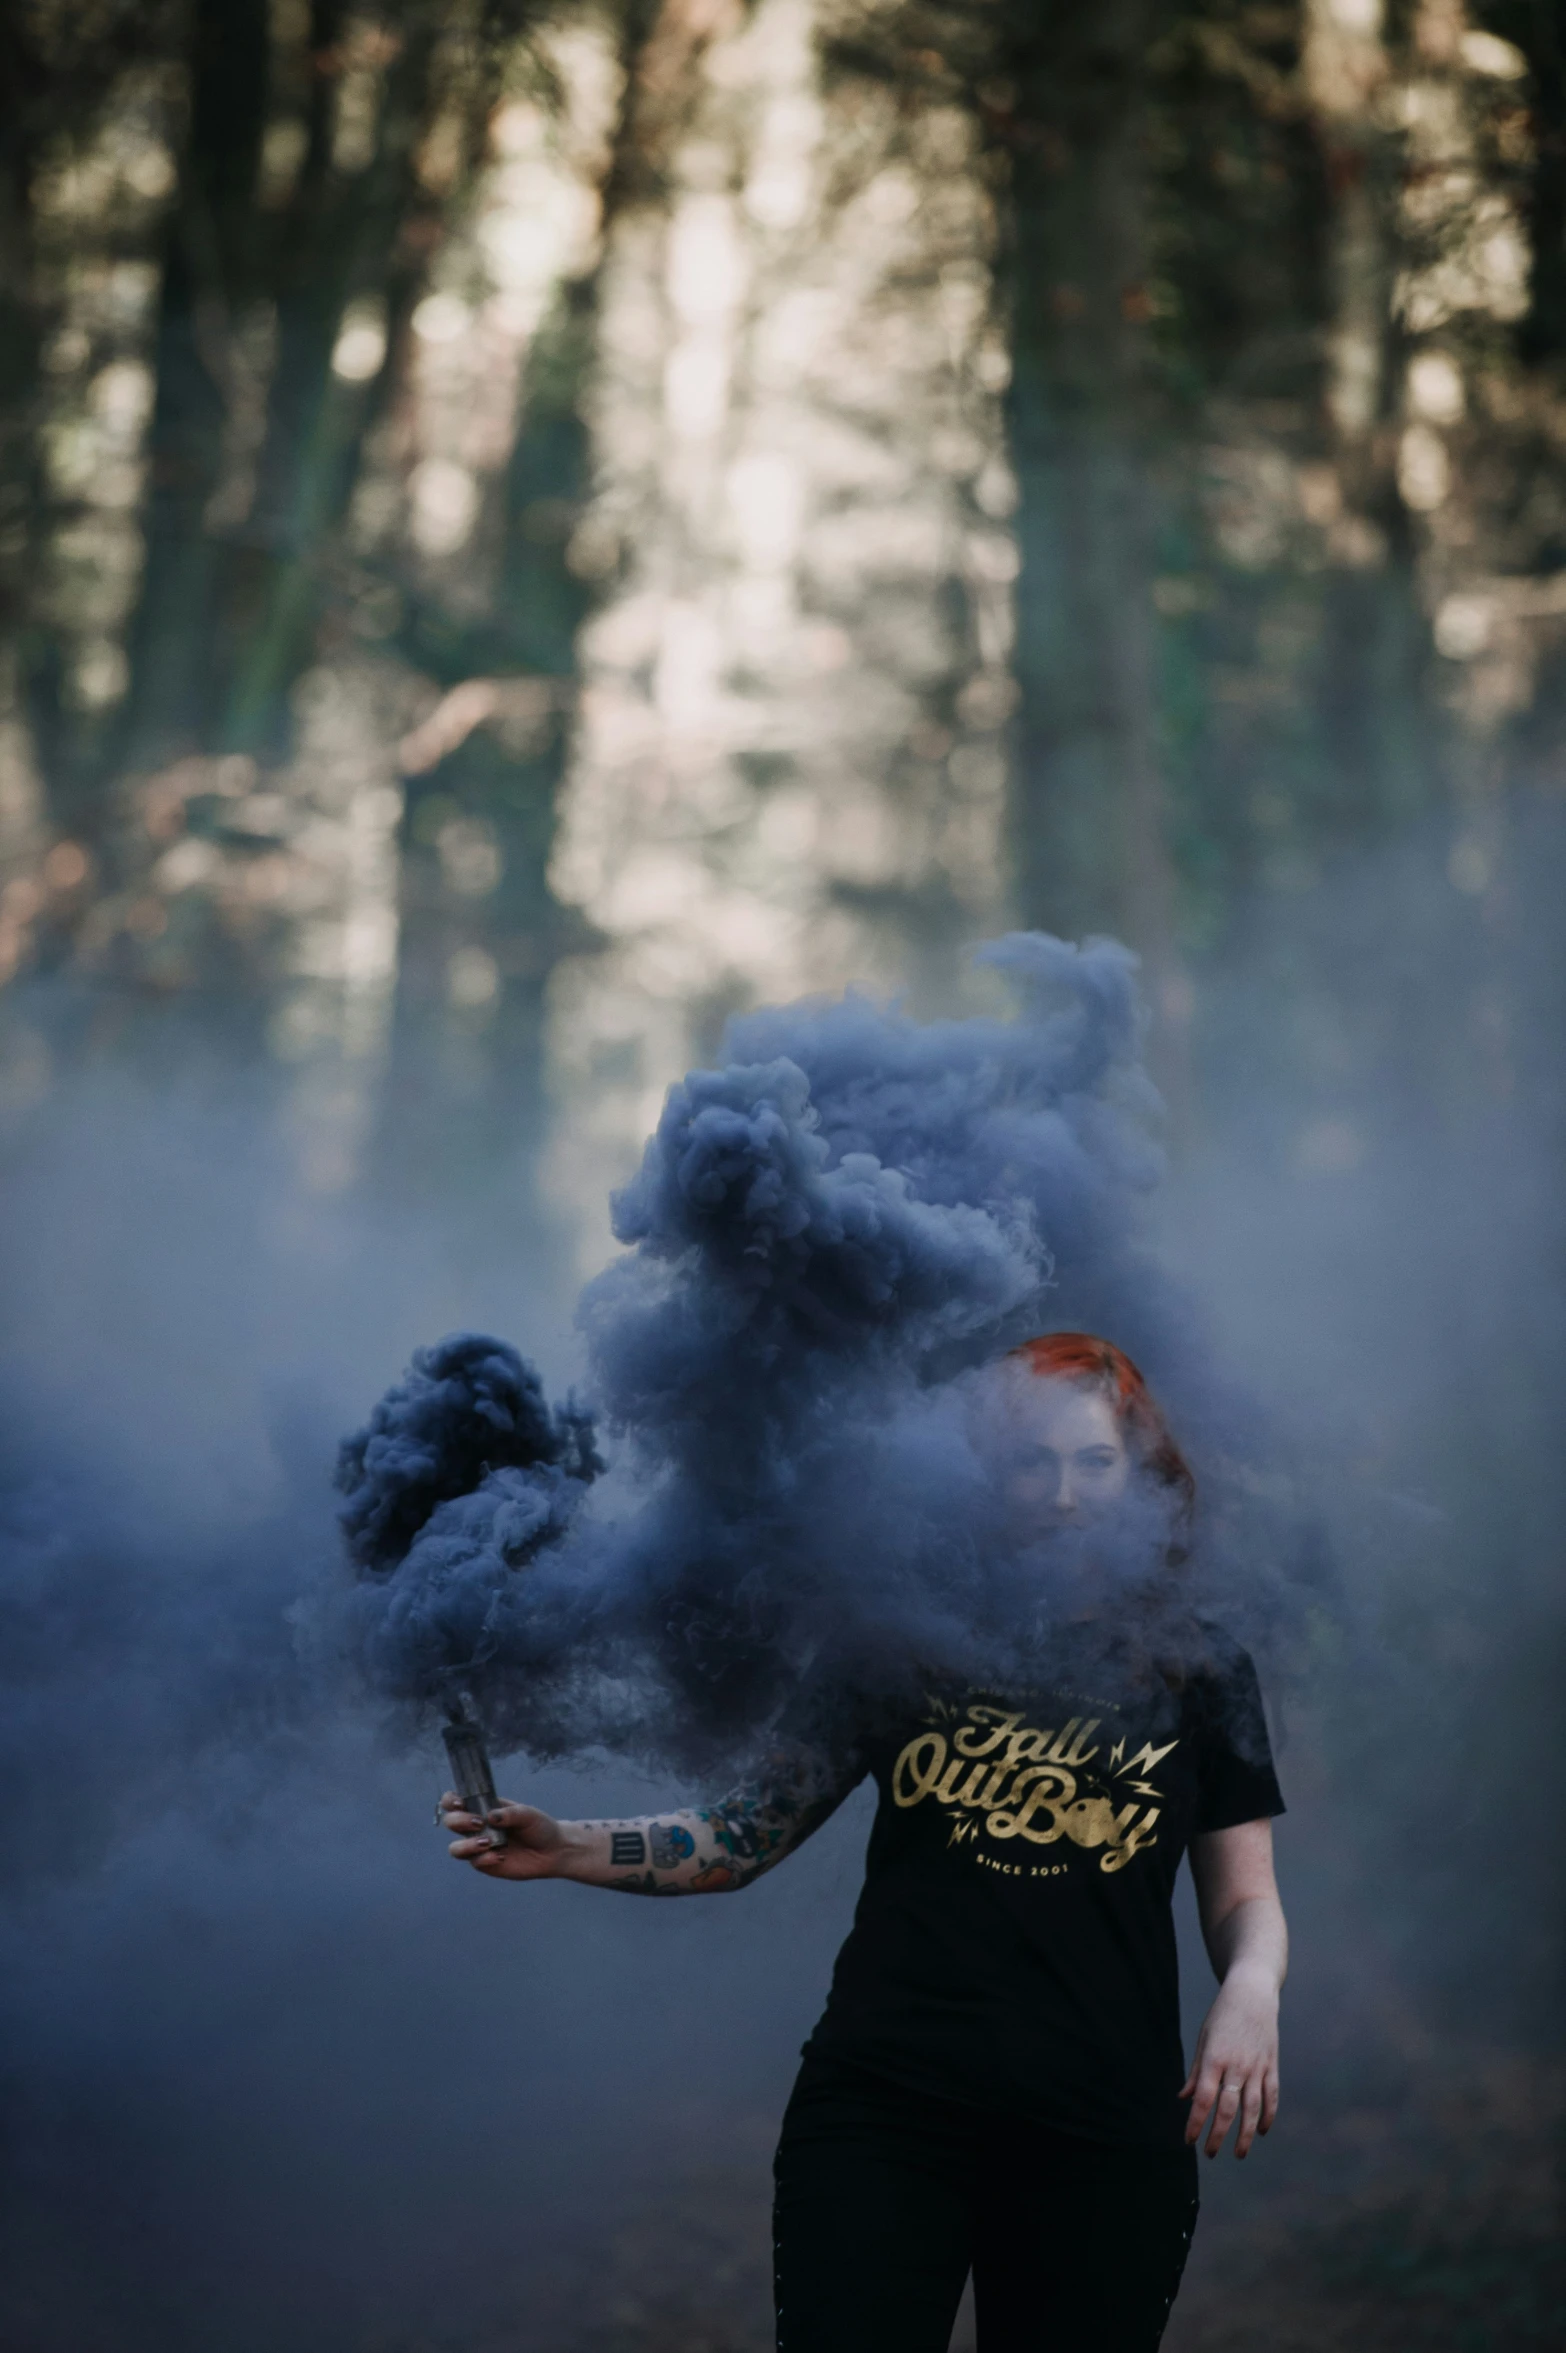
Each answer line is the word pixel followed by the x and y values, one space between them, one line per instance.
pixel 859 1191
pixel 466 1411
pixel 825 1238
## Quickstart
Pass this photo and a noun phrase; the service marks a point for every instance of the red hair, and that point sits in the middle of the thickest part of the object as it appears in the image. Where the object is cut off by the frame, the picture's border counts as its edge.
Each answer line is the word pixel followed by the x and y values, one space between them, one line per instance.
pixel 1099 1365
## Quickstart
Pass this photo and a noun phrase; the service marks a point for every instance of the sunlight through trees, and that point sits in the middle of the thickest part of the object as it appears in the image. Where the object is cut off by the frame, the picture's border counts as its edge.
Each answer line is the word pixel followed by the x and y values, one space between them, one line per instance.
pixel 525 529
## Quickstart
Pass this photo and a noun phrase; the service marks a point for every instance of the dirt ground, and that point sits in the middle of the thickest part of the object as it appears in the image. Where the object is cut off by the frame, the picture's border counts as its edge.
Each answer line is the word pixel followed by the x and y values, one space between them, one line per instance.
pixel 1419 2227
pixel 1414 2225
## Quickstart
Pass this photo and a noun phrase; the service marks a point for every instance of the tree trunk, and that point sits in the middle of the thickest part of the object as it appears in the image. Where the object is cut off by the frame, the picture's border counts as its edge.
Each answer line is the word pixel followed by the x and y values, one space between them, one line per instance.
pixel 211 276
pixel 1090 827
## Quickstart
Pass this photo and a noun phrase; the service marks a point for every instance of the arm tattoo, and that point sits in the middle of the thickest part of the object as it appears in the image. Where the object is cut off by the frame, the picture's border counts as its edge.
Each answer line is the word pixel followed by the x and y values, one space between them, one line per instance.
pixel 671 1845
pixel 758 1824
pixel 714 1848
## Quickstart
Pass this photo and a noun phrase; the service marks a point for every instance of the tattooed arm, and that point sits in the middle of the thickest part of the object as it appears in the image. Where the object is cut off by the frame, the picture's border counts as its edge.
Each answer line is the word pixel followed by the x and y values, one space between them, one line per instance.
pixel 700 1850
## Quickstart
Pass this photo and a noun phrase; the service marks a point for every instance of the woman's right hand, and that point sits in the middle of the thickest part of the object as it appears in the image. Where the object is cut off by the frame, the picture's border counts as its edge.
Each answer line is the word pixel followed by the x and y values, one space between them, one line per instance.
pixel 535 1846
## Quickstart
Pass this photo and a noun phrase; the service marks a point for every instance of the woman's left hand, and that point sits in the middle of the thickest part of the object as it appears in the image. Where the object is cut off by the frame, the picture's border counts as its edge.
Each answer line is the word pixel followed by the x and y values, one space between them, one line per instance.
pixel 1235 2071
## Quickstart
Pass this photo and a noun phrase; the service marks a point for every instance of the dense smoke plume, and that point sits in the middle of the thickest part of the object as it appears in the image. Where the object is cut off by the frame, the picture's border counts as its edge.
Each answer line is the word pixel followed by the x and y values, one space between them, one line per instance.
pixel 826 1240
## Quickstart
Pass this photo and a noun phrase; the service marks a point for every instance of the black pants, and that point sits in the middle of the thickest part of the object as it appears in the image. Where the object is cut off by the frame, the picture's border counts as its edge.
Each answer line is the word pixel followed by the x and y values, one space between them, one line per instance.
pixel 886 2200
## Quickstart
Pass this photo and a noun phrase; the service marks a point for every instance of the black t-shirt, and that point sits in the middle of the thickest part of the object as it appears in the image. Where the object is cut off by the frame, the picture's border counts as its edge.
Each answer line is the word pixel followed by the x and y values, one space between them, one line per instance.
pixel 1014 1944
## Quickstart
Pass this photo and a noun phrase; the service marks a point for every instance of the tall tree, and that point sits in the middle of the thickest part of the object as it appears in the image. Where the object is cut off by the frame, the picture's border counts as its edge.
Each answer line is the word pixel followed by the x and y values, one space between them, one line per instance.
pixel 1091 820
pixel 213 280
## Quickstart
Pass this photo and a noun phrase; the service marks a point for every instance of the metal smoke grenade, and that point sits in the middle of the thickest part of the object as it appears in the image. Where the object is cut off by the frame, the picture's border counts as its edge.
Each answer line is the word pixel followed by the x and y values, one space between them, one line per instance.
pixel 471 1776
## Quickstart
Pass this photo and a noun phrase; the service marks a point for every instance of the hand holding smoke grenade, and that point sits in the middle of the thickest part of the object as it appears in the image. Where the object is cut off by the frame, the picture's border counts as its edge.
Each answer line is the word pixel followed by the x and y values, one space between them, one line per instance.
pixel 471 1777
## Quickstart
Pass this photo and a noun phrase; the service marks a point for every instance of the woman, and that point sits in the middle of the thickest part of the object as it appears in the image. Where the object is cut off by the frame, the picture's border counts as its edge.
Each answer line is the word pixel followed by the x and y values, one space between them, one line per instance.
pixel 995 2085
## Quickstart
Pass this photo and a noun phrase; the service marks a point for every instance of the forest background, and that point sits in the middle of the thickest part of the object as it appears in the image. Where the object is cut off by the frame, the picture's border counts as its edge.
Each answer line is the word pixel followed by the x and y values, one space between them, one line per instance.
pixel 525 529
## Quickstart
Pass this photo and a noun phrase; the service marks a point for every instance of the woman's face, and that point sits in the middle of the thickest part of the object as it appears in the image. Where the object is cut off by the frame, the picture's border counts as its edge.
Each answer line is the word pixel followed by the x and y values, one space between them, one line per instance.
pixel 1066 1458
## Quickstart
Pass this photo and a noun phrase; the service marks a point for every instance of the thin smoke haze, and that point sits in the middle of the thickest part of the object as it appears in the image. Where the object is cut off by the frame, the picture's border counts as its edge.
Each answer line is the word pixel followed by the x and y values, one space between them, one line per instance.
pixel 294 2066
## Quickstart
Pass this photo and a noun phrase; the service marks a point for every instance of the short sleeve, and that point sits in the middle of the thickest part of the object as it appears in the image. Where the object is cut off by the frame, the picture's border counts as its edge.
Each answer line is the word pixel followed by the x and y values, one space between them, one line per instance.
pixel 1236 1781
